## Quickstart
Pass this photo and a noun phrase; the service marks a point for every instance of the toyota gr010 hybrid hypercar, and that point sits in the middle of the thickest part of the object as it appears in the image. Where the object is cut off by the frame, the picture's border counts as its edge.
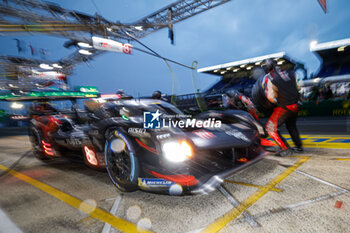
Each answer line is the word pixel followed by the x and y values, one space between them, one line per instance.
pixel 148 144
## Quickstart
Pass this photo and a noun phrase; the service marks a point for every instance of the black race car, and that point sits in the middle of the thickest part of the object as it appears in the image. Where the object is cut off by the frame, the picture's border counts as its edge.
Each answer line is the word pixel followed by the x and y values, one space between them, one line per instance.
pixel 150 145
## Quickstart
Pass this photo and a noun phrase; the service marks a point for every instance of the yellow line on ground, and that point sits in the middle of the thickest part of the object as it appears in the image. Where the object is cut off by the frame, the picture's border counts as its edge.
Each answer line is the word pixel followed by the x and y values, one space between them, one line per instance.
pixel 330 136
pixel 97 213
pixel 219 223
pixel 330 141
pixel 342 159
pixel 86 219
pixel 300 156
pixel 252 185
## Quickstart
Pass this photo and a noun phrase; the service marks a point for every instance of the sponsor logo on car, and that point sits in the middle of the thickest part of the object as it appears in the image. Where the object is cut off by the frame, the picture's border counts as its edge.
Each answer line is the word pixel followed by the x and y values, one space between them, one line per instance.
pixel 150 182
pixel 204 134
pixel 73 141
pixel 152 120
pixel 155 120
pixel 138 132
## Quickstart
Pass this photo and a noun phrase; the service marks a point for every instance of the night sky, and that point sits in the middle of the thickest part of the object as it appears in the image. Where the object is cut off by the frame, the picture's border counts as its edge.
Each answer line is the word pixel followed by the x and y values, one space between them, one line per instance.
pixel 233 31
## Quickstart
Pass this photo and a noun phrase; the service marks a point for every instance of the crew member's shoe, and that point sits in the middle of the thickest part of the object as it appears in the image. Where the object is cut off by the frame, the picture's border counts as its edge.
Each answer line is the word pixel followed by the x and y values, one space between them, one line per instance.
pixel 298 149
pixel 284 153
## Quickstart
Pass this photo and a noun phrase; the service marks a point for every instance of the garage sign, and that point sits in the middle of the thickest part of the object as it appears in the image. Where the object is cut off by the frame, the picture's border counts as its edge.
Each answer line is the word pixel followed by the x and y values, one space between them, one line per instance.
pixel 110 45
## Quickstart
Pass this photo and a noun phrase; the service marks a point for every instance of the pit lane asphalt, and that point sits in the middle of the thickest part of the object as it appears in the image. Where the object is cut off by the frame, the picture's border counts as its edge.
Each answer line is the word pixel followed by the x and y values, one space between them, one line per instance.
pixel 298 203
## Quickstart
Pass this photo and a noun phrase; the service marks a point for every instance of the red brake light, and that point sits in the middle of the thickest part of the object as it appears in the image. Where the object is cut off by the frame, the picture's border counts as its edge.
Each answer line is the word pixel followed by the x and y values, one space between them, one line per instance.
pixel 47 148
pixel 90 156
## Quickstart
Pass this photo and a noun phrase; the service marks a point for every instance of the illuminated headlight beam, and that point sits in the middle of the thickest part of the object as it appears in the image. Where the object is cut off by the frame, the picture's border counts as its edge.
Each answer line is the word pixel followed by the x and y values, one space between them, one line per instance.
pixel 177 151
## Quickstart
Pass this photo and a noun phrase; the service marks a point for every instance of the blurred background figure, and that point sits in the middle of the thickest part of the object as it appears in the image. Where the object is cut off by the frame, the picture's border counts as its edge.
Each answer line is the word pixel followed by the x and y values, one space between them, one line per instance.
pixel 121 94
pixel 328 94
pixel 159 96
pixel 236 100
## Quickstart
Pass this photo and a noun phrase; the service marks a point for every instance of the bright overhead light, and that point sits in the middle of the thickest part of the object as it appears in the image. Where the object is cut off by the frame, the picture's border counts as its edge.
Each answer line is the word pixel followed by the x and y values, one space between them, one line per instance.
pixel 280 62
pixel 45 66
pixel 222 72
pixel 341 49
pixel 313 43
pixel 57 66
pixel 215 71
pixel 242 66
pixel 258 63
pixel 140 28
pixel 249 67
pixel 84 45
pixel 84 52
pixel 16 105
pixel 235 70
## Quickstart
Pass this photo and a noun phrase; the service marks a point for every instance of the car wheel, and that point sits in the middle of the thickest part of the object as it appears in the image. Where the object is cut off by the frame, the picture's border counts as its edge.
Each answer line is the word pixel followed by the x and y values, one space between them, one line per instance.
pixel 35 139
pixel 121 161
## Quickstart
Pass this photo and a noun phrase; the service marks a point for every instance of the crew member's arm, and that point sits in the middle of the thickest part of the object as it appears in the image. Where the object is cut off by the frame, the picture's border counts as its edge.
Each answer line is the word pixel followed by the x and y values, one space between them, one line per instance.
pixel 250 106
pixel 271 92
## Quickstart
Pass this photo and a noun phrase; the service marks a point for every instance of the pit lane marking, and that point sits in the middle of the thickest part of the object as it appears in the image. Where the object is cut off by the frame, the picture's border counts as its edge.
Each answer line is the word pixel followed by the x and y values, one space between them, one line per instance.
pixel 295 205
pixel 252 185
pixel 235 203
pixel 84 220
pixel 97 213
pixel 323 181
pixel 342 159
pixel 321 141
pixel 7 225
pixel 222 221
pixel 306 202
pixel 107 226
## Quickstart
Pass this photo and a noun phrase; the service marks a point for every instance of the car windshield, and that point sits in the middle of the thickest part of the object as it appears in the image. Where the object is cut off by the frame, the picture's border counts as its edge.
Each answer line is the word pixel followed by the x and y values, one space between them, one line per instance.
pixel 137 108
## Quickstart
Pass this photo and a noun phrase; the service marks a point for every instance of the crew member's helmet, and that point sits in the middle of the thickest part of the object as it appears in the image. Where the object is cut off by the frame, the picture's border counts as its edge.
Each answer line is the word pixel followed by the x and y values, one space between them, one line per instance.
pixel 269 64
pixel 232 99
pixel 232 93
pixel 157 95
pixel 120 92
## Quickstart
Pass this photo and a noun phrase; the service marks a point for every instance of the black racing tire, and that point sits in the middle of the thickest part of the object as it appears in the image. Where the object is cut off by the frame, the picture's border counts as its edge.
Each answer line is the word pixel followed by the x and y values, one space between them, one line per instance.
pixel 36 136
pixel 122 166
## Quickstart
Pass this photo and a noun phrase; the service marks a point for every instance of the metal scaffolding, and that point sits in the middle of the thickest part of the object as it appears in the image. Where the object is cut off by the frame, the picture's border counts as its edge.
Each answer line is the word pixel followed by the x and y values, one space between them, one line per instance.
pixel 34 16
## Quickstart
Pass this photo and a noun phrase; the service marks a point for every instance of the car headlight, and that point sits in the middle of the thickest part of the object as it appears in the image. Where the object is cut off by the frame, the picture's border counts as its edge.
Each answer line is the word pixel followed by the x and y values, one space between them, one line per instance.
pixel 177 151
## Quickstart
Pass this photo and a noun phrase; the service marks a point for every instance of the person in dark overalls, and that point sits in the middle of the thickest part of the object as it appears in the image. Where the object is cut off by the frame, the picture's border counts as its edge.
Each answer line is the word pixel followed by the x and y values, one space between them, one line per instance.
pixel 280 89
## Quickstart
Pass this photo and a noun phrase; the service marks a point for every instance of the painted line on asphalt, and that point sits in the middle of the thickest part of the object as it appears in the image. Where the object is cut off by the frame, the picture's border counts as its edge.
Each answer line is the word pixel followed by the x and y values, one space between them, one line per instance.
pixel 84 220
pixel 323 181
pixel 316 199
pixel 252 185
pixel 235 203
pixel 321 141
pixel 295 205
pixel 107 226
pixel 7 225
pixel 318 179
pixel 342 159
pixel 222 221
pixel 97 213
